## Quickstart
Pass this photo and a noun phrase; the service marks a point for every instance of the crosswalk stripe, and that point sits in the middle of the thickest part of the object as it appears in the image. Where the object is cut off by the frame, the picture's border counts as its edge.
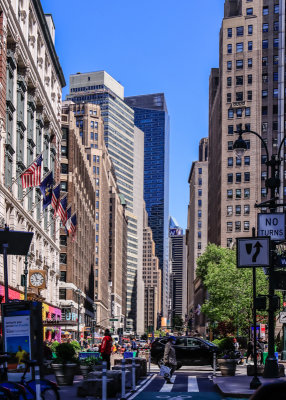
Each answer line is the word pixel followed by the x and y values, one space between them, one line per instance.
pixel 192 384
pixel 167 387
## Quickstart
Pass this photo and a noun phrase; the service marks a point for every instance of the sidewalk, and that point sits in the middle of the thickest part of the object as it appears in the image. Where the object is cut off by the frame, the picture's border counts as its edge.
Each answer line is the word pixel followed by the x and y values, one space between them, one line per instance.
pixel 238 385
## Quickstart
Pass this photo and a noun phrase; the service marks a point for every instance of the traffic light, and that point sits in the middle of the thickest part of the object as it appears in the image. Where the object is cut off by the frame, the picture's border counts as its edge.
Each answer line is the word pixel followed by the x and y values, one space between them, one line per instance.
pixel 260 303
pixel 274 302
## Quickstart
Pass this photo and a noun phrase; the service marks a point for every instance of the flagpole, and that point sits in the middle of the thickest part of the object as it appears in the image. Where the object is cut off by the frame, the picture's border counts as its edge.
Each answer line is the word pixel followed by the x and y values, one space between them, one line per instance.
pixel 26 194
pixel 19 176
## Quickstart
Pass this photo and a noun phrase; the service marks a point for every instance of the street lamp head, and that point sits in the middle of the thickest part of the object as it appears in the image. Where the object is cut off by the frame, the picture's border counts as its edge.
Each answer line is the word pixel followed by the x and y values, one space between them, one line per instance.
pixel 239 146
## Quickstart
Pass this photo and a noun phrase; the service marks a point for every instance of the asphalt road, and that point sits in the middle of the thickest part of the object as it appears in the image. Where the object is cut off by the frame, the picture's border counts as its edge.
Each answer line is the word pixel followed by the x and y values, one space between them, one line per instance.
pixel 187 383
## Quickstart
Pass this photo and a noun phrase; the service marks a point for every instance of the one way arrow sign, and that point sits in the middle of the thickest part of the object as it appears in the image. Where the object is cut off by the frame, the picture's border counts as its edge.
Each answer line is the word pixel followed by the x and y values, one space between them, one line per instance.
pixel 253 252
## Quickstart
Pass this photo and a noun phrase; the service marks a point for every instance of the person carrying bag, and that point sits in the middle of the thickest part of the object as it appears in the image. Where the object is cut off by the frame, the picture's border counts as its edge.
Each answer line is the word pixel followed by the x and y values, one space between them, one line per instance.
pixel 170 360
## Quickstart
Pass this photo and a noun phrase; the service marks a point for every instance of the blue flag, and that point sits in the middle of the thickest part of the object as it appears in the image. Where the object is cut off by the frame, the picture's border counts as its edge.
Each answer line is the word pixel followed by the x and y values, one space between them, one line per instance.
pixel 46 188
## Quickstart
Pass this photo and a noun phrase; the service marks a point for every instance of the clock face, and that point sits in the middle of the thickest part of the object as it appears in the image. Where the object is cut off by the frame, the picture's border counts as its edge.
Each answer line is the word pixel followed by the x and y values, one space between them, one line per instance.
pixel 36 279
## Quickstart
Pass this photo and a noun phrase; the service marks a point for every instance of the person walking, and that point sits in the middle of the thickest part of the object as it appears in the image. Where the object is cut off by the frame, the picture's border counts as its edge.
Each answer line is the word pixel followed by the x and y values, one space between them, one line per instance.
pixel 250 348
pixel 106 347
pixel 170 357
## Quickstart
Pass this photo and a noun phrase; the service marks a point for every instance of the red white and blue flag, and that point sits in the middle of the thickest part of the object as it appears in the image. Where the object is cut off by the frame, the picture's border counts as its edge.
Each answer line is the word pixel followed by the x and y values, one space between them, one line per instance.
pixel 73 226
pixel 56 198
pixel 68 224
pixel 62 210
pixel 32 176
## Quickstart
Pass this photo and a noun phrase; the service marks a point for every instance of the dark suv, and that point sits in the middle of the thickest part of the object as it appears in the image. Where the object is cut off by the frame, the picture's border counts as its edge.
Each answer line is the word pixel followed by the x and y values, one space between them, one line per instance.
pixel 189 351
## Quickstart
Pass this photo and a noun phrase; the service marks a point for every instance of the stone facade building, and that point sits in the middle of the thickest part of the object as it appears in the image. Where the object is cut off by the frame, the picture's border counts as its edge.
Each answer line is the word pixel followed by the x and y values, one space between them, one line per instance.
pixel 31 82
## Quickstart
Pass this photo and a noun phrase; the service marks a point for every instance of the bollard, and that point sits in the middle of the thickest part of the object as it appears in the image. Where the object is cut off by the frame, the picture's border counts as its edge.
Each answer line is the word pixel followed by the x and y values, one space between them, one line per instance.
pixel 38 382
pixel 149 362
pixel 214 364
pixel 104 381
pixel 123 379
pixel 133 375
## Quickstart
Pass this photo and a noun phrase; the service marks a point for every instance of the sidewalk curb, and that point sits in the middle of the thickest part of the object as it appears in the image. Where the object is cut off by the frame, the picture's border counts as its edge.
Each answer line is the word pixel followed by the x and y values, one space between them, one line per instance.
pixel 231 394
pixel 130 395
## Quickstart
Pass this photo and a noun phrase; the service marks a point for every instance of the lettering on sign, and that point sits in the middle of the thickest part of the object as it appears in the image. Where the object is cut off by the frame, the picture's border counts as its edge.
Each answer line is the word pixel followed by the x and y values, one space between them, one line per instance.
pixel 272 225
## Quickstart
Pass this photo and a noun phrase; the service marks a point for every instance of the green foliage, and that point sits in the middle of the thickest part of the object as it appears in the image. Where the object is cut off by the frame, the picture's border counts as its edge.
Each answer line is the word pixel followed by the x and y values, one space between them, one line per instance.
pixel 178 321
pixel 90 361
pixel 229 288
pixel 54 345
pixel 65 353
pixel 76 345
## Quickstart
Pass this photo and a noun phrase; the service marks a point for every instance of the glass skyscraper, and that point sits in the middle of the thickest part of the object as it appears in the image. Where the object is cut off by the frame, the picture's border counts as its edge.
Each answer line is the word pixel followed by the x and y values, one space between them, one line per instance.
pixel 151 116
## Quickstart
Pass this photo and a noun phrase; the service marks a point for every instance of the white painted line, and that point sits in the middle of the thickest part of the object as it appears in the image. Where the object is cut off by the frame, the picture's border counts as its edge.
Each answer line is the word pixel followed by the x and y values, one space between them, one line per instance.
pixel 193 384
pixel 142 388
pixel 167 387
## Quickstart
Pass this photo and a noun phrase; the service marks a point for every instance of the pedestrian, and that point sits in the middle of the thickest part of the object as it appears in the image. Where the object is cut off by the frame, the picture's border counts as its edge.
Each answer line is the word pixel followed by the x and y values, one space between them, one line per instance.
pixel 260 349
pixel 170 357
pixel 106 347
pixel 250 348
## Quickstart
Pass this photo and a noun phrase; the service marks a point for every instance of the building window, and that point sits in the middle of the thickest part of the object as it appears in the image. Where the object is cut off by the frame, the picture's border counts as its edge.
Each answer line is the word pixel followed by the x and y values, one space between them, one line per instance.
pixel 275 60
pixel 246 160
pixel 247 144
pixel 228 81
pixel 264 126
pixel 229 32
pixel 229 194
pixel 264 93
pixel 263 159
pixel 238 193
pixel 250 46
pixel 229 65
pixel 63 240
pixel 275 76
pixel 228 97
pixel 199 224
pixel 275 93
pixel 276 26
pixel 200 181
pixel 230 145
pixel 249 79
pixel 229 242
pixel 264 61
pixel 275 125
pixel 237 210
pixel 247 177
pixel 238 161
pixel 247 127
pixel 247 111
pixel 199 213
pixel 263 175
pixel 265 27
pixel 264 78
pixel 199 203
pixel 239 112
pixel 238 177
pixel 199 245
pixel 249 11
pixel 62 294
pixel 229 211
pixel 229 178
pixel 265 10
pixel 64 186
pixel 199 234
pixel 63 276
pixel 246 209
pixel 200 192
pixel 239 80
pixel 64 168
pixel 249 63
pixel 229 48
pixel 239 31
pixel 200 171
pixel 239 64
pixel 263 192
pixel 239 47
pixel 229 226
pixel 230 113
pixel 230 129
pixel 250 29
pixel 63 258
pixel 64 151
pixel 275 42
pixel 237 226
pixel 264 110
pixel 249 95
pixel 276 8
pixel 247 193
pixel 230 161
pixel 265 44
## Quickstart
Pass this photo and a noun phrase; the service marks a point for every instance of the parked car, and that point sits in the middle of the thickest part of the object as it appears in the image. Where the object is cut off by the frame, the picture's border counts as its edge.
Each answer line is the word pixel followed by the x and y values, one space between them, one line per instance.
pixel 189 351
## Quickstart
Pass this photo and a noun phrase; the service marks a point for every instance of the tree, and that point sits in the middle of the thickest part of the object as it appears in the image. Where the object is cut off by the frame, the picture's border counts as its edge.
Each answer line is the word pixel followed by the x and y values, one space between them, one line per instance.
pixel 229 288
pixel 178 322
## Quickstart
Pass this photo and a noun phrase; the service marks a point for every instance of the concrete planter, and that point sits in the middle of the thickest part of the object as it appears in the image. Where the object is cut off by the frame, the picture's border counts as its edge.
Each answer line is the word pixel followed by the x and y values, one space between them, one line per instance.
pixel 227 366
pixel 64 373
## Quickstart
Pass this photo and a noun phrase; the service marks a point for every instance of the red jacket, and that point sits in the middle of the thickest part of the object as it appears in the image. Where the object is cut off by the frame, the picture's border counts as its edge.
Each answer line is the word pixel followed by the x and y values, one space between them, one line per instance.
pixel 106 345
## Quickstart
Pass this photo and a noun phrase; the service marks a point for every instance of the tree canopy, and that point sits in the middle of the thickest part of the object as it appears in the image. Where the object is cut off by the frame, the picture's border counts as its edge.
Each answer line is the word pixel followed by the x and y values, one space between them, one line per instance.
pixel 230 295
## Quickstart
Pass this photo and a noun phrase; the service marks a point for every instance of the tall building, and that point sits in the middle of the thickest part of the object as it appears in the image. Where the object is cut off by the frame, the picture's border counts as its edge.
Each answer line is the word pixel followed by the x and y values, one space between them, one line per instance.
pixel 101 89
pixel 95 266
pixel 197 232
pixel 31 81
pixel 247 89
pixel 151 116
pixel 178 271
pixel 152 279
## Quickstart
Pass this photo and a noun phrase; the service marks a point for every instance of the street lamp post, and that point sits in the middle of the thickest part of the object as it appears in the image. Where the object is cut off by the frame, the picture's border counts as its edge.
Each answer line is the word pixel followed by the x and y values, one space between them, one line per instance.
pixel 78 292
pixel 94 306
pixel 26 278
pixel 272 183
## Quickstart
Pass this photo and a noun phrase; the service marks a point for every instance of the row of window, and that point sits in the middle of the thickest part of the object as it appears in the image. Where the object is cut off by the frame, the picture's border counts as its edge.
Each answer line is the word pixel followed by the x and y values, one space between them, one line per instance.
pixel 265 10
pixel 238 193
pixel 240 29
pixel 240 45
pixel 238 208
pixel 239 63
pixel 239 161
pixel 237 224
pixel 238 80
pixel 238 177
pixel 264 127
pixel 239 96
pixel 239 112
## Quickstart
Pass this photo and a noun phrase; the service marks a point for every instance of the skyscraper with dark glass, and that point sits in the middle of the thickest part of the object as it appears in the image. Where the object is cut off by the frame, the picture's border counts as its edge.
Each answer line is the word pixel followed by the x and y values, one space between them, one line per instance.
pixel 151 116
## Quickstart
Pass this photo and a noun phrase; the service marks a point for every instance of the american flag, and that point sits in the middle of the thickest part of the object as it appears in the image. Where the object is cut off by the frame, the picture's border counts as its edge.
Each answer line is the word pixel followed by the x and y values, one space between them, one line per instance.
pixel 68 224
pixel 73 226
pixel 62 210
pixel 32 176
pixel 56 198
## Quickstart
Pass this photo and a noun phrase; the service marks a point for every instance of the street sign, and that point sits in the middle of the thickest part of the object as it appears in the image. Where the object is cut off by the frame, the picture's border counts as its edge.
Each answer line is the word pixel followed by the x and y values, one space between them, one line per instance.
pixel 272 225
pixel 252 252
pixel 281 262
pixel 113 319
pixel 282 317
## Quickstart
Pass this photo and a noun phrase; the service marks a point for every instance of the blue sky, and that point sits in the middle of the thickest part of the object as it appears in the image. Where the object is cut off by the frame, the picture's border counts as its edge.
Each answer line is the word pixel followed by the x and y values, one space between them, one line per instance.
pixel 149 46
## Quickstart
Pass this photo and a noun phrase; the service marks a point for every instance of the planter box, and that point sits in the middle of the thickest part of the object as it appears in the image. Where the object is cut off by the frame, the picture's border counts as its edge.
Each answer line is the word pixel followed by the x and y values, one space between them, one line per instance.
pixel 227 366
pixel 64 373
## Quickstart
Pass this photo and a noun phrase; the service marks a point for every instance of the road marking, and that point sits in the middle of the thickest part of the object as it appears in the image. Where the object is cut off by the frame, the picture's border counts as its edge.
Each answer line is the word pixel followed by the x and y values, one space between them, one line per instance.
pixel 142 388
pixel 167 387
pixel 192 384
